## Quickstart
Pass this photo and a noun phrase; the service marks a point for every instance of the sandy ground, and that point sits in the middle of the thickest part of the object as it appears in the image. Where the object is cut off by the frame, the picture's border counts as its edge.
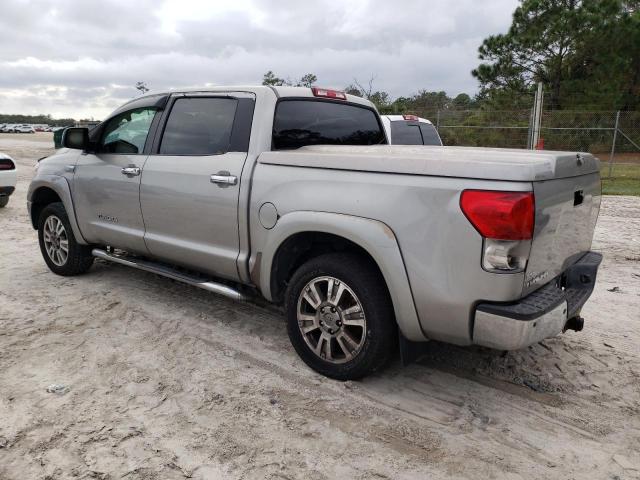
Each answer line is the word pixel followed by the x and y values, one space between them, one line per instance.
pixel 166 381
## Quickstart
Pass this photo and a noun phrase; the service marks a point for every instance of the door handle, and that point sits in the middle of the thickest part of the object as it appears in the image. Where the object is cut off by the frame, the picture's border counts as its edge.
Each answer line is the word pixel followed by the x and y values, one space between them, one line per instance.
pixel 224 179
pixel 131 171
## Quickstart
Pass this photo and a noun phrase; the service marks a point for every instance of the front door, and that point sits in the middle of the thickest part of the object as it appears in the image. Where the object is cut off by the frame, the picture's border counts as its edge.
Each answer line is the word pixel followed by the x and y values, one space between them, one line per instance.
pixel 189 190
pixel 106 184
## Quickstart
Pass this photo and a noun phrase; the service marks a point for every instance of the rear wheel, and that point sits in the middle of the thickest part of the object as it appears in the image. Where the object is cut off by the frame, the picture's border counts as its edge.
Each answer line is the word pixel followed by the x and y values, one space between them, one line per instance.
pixel 339 316
pixel 4 201
pixel 62 253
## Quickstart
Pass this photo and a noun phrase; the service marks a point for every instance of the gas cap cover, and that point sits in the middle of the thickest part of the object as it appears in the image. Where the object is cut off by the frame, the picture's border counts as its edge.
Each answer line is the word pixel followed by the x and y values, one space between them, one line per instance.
pixel 268 215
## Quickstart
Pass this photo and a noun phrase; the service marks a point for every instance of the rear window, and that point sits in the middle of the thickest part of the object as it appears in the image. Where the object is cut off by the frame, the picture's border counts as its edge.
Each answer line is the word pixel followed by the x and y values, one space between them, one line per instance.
pixel 313 122
pixel 430 134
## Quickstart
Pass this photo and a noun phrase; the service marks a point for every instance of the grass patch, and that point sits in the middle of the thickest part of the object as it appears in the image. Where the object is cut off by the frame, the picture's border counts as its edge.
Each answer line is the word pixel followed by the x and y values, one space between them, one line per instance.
pixel 625 179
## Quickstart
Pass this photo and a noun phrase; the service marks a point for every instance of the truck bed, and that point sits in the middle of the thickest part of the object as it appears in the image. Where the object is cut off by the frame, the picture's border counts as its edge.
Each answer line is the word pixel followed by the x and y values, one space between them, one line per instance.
pixel 462 162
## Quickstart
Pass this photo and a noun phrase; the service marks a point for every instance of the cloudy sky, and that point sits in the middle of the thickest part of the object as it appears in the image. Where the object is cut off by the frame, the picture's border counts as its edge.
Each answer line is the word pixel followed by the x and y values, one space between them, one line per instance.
pixel 82 58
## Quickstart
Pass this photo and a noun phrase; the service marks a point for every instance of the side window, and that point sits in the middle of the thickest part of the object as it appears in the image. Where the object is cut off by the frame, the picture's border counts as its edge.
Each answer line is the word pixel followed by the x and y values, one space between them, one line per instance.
pixel 127 132
pixel 199 126
pixel 430 134
pixel 404 133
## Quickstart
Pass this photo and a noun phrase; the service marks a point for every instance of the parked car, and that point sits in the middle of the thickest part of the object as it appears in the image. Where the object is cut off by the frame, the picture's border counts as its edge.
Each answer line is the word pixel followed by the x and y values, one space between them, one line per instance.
pixel 410 130
pixel 24 129
pixel 6 128
pixel 292 194
pixel 7 178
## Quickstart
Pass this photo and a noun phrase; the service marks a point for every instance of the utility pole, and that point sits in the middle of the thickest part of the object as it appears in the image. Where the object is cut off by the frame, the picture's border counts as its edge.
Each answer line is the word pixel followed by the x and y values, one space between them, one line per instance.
pixel 537 117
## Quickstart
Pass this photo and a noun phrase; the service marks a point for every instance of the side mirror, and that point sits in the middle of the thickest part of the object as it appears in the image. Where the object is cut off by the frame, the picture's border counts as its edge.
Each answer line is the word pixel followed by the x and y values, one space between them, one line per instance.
pixel 75 137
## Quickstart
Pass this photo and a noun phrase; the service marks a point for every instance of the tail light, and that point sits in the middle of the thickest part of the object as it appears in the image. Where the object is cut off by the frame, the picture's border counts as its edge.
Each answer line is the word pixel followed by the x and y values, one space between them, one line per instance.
pixel 6 164
pixel 500 215
pixel 506 221
pixel 411 118
pixel 323 92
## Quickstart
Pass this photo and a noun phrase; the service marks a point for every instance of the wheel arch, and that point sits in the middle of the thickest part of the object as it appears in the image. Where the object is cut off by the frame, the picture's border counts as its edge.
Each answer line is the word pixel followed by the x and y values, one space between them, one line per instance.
pixel 287 245
pixel 50 189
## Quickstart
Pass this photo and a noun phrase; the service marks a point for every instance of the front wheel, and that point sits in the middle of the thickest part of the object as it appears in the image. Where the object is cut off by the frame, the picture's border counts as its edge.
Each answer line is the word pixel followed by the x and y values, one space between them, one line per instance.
pixel 62 253
pixel 339 316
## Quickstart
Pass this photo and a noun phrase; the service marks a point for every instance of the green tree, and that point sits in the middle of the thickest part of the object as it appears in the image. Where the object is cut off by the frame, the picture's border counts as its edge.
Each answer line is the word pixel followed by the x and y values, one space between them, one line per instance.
pixel 307 80
pixel 379 98
pixel 463 102
pixel 425 100
pixel 572 46
pixel 270 78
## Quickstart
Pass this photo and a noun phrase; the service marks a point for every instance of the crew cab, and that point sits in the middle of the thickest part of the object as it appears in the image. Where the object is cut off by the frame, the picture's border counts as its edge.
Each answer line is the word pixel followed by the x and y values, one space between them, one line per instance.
pixel 293 194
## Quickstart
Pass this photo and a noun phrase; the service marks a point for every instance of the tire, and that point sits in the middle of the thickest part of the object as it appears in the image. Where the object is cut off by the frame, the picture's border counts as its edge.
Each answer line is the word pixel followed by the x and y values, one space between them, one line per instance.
pixel 356 333
pixel 54 234
pixel 4 201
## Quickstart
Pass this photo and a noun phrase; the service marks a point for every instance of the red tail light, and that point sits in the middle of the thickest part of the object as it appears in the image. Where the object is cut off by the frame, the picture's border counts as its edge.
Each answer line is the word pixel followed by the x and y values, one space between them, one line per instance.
pixel 323 92
pixel 411 118
pixel 6 164
pixel 500 215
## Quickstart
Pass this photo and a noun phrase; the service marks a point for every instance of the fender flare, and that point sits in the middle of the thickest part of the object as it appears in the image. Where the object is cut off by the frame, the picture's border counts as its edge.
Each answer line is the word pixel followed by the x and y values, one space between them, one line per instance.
pixel 373 236
pixel 60 185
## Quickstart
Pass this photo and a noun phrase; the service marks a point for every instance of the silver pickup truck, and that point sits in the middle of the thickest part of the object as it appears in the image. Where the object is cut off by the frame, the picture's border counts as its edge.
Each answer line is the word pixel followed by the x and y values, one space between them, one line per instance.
pixel 293 194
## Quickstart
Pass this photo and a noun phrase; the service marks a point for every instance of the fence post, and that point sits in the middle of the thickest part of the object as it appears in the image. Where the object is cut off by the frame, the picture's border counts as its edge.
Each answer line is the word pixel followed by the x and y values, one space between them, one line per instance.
pixel 537 117
pixel 613 144
pixel 530 129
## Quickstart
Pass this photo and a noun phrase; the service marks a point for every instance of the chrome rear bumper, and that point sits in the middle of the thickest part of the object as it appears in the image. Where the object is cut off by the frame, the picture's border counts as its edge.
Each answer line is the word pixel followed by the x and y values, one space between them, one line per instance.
pixel 542 314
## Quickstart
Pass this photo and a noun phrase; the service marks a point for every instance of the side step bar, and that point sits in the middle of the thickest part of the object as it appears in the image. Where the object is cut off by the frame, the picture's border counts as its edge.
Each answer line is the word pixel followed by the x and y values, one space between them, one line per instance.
pixel 169 272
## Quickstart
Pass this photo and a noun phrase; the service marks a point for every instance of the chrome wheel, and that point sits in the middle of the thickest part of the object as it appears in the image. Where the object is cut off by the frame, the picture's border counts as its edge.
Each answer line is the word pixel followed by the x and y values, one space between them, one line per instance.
pixel 56 241
pixel 331 319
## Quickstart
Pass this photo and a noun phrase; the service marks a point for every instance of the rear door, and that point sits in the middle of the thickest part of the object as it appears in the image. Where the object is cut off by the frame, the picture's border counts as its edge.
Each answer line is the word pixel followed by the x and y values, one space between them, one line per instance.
pixel 106 183
pixel 190 184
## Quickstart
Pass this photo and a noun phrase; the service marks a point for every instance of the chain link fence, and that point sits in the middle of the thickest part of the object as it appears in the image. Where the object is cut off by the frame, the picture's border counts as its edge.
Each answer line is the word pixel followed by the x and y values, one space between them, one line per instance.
pixel 614 137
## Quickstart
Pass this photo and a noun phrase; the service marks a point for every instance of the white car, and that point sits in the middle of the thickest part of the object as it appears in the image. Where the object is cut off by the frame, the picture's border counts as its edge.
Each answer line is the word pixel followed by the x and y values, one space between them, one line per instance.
pixel 410 130
pixel 24 129
pixel 8 178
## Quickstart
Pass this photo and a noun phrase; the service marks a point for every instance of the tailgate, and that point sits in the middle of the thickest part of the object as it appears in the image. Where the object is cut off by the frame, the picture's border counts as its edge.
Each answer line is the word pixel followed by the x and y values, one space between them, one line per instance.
pixel 565 219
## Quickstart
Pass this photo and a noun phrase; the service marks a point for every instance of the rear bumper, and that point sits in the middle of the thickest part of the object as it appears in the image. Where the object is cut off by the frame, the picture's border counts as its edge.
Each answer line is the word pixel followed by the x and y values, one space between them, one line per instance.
pixel 541 314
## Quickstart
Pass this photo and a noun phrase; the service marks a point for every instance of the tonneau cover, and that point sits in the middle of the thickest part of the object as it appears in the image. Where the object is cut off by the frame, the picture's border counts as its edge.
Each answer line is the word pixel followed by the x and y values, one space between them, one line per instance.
pixel 462 162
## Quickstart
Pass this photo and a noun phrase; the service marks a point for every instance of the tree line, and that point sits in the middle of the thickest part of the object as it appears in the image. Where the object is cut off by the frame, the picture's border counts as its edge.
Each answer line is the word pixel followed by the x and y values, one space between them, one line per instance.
pixel 37 120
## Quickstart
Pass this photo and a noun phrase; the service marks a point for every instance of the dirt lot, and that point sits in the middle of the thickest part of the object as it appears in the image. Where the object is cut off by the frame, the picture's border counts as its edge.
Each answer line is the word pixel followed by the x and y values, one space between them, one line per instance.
pixel 167 381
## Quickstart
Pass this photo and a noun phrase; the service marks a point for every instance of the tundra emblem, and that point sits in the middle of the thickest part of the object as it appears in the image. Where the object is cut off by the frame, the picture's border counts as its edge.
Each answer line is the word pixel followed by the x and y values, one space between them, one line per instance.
pixel 107 218
pixel 536 278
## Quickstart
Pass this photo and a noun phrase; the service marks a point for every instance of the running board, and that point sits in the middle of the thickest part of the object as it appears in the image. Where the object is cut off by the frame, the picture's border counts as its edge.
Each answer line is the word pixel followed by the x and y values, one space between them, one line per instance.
pixel 169 272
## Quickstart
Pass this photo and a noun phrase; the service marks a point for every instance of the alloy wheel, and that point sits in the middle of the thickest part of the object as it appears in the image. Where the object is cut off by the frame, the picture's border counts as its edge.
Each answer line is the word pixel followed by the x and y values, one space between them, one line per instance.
pixel 331 319
pixel 56 241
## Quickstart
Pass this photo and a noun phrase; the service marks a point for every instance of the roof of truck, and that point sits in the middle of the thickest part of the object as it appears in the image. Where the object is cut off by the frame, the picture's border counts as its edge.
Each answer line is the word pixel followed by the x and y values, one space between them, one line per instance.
pixel 281 91
pixel 400 118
